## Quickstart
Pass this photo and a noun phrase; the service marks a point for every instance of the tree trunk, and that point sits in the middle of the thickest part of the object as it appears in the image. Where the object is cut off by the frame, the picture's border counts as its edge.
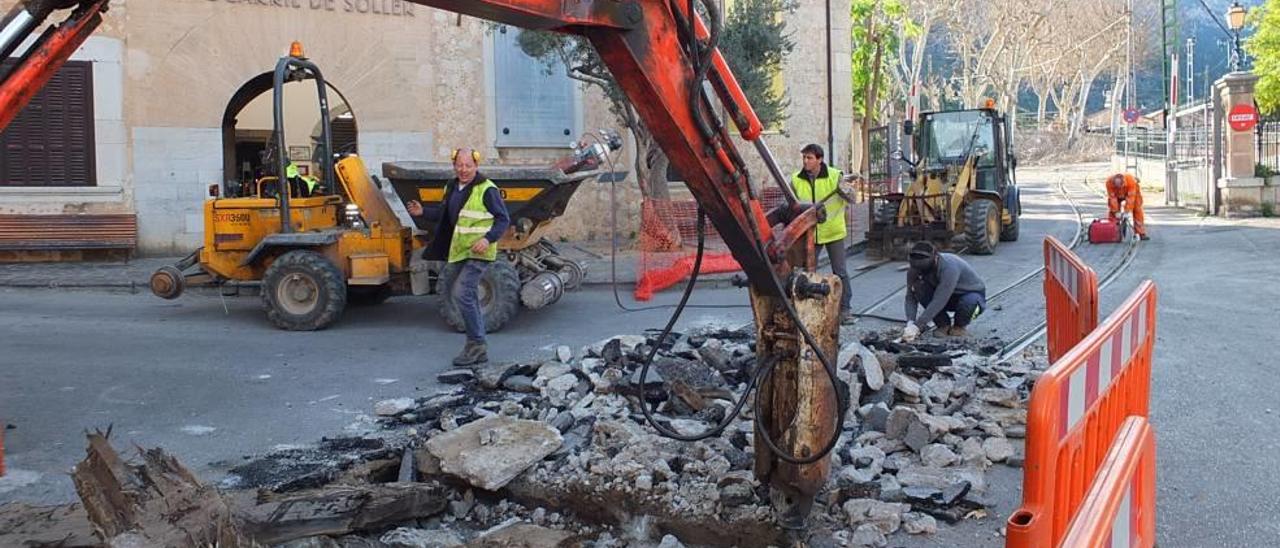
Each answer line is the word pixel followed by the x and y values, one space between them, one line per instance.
pixel 1042 106
pixel 156 503
pixel 873 87
pixel 651 164
pixel 161 503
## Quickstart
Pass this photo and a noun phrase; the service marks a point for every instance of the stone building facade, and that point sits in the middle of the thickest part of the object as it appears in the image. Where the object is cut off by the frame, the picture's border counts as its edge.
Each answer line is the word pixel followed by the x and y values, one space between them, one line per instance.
pixel 172 111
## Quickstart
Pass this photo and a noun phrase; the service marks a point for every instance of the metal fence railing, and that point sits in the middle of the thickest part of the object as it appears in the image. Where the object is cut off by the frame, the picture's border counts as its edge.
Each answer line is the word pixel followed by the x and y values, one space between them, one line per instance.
pixel 1141 143
pixel 1268 139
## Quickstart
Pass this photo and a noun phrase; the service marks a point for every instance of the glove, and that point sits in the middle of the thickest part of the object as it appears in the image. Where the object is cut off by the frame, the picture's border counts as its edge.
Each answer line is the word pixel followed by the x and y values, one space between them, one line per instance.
pixel 847 189
pixel 910 332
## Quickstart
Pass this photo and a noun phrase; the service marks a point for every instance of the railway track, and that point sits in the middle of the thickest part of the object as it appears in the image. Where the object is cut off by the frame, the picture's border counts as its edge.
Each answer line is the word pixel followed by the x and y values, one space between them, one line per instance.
pixel 1106 278
pixel 1115 263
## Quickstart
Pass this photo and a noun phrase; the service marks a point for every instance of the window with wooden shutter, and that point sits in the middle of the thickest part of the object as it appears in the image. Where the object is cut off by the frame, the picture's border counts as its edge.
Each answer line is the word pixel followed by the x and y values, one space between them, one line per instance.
pixel 50 143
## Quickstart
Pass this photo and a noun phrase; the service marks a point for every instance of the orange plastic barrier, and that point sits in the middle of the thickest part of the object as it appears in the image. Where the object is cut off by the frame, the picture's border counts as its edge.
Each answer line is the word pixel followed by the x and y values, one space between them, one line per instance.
pixel 1120 509
pixel 1076 409
pixel 1071 298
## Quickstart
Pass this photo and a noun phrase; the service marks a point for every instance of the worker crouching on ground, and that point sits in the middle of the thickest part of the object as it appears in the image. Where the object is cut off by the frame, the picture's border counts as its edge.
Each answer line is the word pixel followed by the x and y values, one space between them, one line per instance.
pixel 944 284
pixel 822 184
pixel 473 219
pixel 1124 201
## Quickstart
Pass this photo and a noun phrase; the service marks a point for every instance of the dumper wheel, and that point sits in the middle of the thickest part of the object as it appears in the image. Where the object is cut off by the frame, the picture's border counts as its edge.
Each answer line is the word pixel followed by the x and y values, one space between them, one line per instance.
pixel 303 291
pixel 982 226
pixel 499 294
pixel 1009 233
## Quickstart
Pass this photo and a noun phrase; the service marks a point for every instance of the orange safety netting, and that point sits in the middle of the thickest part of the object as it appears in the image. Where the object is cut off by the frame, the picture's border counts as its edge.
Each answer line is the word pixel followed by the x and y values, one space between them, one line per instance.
pixel 669 235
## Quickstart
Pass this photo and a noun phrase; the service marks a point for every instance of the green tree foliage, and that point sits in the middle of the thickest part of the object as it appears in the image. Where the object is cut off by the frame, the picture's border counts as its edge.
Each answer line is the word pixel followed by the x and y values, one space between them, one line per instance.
pixel 754 43
pixel 877 22
pixel 1264 47
pixel 753 40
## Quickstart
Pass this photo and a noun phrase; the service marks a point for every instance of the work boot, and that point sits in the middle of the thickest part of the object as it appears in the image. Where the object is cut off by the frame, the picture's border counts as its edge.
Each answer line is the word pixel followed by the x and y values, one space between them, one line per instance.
pixel 957 331
pixel 847 317
pixel 472 354
pixel 1144 237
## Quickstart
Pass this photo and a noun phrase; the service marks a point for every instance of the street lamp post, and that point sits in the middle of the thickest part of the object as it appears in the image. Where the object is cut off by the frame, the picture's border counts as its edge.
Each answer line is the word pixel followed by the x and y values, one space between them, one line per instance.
pixel 1235 19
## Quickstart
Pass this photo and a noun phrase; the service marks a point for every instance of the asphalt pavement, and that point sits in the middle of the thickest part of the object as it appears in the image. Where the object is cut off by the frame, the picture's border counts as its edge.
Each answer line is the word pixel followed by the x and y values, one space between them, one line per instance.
pixel 211 381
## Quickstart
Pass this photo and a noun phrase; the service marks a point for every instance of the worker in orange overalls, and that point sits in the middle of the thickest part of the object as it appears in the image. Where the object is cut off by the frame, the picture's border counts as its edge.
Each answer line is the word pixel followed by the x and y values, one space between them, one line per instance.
pixel 1124 199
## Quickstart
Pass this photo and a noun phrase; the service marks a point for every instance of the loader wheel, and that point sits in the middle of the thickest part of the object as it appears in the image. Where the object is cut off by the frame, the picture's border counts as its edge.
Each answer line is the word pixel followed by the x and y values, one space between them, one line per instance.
pixel 368 295
pixel 499 294
pixel 1009 233
pixel 982 226
pixel 303 291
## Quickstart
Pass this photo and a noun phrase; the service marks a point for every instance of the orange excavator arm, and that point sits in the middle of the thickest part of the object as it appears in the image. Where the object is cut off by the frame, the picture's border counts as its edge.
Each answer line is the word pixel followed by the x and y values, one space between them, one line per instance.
pixel 21 81
pixel 663 57
pixel 661 67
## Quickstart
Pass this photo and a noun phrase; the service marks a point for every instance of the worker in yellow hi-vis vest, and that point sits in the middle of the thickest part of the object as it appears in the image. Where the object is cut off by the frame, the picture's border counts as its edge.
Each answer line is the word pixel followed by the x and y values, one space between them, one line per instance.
pixel 823 184
pixel 473 218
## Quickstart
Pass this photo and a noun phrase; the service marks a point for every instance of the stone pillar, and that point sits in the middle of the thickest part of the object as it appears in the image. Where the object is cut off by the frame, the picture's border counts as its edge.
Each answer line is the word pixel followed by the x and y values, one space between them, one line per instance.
pixel 1240 192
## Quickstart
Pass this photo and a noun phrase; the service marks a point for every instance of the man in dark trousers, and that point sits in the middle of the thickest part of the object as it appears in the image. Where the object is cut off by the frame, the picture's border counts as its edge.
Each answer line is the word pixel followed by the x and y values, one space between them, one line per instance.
pixel 473 218
pixel 943 284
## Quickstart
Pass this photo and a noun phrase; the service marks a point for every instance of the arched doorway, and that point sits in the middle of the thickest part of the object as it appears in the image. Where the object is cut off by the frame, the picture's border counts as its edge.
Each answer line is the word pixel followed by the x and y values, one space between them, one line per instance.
pixel 248 120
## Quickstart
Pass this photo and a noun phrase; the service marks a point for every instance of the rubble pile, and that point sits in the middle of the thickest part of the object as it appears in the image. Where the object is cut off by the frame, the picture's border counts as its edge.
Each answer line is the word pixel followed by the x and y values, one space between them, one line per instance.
pixel 562 443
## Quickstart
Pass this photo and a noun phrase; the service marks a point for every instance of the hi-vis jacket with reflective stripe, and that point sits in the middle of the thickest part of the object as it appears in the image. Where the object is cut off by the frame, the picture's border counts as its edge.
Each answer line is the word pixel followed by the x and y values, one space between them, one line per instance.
pixel 474 221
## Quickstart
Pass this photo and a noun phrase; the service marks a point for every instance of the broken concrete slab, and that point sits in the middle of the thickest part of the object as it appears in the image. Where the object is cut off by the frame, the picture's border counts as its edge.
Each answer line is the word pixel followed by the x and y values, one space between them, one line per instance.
pixel 921 364
pixel 937 390
pixel 868 535
pixel 972 453
pixel 519 383
pixel 490 452
pixel 885 516
pixel 938 455
pixel 393 407
pixel 737 488
pixel 941 478
pixel 564 354
pixel 997 449
pixel 406 537
pixel 521 535
pixel 905 384
pixel 877 416
pixel 898 421
pixel 456 376
pixel 872 370
pixel 915 523
pixel 1003 397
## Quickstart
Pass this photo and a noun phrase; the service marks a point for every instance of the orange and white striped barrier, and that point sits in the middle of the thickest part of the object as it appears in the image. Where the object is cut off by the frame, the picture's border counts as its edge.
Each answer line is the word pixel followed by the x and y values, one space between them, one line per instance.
pixel 1076 409
pixel 1071 298
pixel 1119 511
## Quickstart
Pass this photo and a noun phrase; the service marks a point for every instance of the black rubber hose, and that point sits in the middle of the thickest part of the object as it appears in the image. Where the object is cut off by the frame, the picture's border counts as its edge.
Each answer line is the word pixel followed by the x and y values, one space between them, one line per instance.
pixel 666 332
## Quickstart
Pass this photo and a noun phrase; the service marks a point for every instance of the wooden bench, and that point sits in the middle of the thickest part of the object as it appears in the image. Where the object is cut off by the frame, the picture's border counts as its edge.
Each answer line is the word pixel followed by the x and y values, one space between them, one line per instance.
pixel 67 232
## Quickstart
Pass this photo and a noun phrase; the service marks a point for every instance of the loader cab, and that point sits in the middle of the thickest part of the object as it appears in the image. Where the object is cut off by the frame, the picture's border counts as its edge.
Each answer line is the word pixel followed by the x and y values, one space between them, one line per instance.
pixel 947 139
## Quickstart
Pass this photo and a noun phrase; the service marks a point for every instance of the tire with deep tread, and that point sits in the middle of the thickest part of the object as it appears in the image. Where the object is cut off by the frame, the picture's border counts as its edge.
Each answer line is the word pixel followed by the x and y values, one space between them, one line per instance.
pixel 368 295
pixel 499 293
pixel 980 234
pixel 318 271
pixel 1009 232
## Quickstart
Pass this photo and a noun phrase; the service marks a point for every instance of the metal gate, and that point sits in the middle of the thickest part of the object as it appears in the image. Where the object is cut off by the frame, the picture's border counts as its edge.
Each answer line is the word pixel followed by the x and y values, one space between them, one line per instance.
pixel 1190 177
